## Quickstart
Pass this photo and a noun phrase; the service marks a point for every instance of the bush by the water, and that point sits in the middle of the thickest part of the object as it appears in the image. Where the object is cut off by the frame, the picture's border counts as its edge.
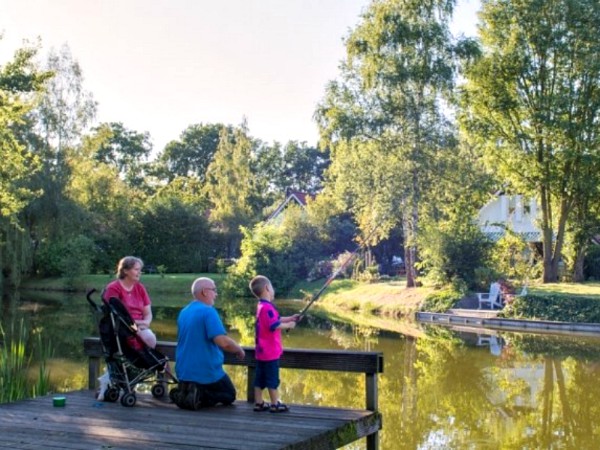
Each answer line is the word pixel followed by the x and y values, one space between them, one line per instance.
pixel 285 252
pixel 554 307
pixel 452 251
pixel 442 300
pixel 264 251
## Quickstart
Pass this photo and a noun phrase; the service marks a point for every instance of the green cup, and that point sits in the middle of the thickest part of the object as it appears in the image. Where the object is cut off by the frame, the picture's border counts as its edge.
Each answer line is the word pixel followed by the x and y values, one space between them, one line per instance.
pixel 59 401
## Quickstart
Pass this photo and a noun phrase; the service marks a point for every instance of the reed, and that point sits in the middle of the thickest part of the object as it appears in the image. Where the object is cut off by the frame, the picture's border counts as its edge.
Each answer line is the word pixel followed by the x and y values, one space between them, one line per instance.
pixel 15 362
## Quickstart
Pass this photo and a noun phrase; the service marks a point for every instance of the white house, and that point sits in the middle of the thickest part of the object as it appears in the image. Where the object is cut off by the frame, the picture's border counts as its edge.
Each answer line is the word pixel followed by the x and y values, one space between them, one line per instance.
pixel 513 212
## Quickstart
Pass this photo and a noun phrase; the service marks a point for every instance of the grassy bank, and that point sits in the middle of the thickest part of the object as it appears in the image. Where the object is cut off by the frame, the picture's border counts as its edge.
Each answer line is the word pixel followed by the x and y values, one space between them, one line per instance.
pixel 386 300
pixel 165 290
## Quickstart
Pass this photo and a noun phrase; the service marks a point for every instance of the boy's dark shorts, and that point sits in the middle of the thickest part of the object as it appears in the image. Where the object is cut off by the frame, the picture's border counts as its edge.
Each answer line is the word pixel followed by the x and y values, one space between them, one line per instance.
pixel 267 374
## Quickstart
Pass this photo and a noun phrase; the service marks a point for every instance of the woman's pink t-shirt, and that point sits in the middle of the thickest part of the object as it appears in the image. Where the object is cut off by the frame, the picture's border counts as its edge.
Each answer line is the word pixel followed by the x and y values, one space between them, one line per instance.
pixel 135 300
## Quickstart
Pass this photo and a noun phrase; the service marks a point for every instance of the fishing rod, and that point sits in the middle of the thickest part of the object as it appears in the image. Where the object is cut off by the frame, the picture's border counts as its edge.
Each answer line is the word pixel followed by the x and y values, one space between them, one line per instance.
pixel 336 273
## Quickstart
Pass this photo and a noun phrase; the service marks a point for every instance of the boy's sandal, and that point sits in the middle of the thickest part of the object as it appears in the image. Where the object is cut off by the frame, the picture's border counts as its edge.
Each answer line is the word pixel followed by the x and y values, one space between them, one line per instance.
pixel 279 407
pixel 258 407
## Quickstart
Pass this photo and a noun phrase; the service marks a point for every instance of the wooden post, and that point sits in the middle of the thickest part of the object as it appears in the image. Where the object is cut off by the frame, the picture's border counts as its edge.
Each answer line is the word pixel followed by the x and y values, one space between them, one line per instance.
pixel 372 405
pixel 93 372
pixel 250 384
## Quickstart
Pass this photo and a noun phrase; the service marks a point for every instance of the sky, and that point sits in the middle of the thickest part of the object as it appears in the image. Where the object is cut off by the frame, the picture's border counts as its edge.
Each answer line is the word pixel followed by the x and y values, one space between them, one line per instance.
pixel 159 66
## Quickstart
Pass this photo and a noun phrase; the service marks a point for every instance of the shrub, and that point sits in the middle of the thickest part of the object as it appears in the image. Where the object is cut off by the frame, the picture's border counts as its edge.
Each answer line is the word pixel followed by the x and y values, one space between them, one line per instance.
pixel 591 265
pixel 554 307
pixel 69 258
pixel 453 250
pixel 264 251
pixel 321 269
pixel 441 300
pixel 286 253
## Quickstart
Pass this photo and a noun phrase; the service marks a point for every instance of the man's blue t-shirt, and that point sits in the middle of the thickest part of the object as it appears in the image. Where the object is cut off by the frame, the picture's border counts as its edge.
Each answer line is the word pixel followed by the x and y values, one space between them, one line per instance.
pixel 199 359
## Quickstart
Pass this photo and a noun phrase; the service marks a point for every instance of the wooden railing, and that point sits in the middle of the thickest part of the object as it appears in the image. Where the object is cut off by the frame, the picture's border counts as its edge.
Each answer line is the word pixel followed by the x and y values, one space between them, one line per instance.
pixel 369 363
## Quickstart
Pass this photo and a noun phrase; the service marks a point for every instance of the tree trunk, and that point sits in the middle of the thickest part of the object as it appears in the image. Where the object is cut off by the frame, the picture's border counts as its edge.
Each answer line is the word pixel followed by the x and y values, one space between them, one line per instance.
pixel 410 252
pixel 578 275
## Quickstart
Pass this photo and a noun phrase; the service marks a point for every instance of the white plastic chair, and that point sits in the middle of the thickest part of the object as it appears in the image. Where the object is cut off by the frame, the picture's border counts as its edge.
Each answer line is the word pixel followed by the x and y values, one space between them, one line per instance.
pixel 493 298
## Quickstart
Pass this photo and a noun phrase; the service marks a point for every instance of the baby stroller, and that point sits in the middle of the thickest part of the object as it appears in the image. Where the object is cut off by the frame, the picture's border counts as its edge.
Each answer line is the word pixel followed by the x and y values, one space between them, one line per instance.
pixel 129 361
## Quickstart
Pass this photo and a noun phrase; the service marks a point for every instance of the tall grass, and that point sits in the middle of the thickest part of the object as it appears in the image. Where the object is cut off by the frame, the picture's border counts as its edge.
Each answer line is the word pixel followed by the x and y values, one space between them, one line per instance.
pixel 15 362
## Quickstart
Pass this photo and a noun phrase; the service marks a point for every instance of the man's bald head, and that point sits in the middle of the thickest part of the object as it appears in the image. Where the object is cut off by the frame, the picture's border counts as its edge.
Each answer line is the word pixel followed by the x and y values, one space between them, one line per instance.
pixel 204 289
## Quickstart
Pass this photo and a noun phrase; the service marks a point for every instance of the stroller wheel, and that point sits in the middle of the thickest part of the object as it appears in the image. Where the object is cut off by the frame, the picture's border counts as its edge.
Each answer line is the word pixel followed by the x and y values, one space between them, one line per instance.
pixel 128 399
pixel 158 391
pixel 173 394
pixel 111 395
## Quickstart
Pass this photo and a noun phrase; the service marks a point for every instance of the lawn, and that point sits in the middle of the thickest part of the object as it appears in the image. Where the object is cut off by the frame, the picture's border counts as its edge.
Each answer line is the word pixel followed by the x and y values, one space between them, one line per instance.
pixel 588 289
pixel 162 288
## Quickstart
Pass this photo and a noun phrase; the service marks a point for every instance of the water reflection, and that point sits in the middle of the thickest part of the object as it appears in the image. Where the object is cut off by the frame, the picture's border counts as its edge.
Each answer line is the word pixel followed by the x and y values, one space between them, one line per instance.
pixel 448 388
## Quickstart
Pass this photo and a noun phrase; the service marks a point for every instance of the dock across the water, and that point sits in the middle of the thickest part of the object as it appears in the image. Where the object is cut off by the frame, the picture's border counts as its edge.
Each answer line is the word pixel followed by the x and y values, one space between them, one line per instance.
pixel 85 423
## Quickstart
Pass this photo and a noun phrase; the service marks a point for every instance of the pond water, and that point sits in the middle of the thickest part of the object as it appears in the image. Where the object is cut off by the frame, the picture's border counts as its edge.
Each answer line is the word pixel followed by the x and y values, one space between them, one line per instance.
pixel 445 389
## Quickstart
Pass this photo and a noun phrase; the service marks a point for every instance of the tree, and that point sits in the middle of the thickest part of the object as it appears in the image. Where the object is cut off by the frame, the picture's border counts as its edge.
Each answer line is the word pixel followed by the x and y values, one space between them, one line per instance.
pixel 20 80
pixel 66 110
pixel 126 150
pixel 232 186
pixel 192 153
pixel 384 121
pixel 174 235
pixel 303 167
pixel 533 105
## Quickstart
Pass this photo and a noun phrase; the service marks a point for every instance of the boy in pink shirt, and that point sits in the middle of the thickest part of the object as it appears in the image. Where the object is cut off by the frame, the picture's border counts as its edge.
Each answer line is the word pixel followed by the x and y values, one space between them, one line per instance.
pixel 268 347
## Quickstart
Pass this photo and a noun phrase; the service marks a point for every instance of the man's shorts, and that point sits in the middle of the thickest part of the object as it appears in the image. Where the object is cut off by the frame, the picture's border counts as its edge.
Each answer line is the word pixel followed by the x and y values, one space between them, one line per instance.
pixel 267 374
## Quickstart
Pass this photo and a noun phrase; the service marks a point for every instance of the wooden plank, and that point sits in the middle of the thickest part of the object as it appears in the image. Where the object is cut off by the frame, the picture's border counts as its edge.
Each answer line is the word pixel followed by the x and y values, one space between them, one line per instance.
pixel 332 360
pixel 152 423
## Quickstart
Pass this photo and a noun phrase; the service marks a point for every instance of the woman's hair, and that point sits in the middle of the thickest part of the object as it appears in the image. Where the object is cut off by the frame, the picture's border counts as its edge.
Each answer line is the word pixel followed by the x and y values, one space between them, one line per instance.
pixel 127 263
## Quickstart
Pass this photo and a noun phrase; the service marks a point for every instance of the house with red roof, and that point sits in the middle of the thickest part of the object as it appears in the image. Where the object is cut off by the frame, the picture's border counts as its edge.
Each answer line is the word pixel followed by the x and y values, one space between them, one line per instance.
pixel 292 197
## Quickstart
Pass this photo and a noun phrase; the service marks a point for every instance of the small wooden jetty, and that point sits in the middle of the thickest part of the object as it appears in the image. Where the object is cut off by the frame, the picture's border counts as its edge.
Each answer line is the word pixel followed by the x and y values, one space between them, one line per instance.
pixel 85 423
pixel 483 319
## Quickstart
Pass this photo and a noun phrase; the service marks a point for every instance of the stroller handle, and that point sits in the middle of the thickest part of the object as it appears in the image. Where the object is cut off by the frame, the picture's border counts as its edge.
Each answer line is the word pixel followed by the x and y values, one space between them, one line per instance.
pixel 92 303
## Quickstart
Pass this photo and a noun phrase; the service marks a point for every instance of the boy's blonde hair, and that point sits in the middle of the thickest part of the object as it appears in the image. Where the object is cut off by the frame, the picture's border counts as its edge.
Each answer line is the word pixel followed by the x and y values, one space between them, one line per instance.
pixel 258 285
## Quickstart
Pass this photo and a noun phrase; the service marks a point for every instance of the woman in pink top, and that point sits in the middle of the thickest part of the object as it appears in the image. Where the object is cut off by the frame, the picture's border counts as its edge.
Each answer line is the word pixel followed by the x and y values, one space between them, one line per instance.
pixel 268 348
pixel 133 295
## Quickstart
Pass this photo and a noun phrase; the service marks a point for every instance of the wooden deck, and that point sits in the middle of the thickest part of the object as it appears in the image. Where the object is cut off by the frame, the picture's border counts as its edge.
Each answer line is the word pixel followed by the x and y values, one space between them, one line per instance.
pixel 85 423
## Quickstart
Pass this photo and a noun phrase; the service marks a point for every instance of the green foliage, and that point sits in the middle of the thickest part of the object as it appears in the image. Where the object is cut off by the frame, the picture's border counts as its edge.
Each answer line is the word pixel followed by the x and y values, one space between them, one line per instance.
pixel 191 155
pixel 68 258
pixel 296 166
pixel 66 109
pixel 15 362
pixel 264 251
pixel 454 251
pixel 19 78
pixel 232 186
pixel 174 235
pixel 592 263
pixel 441 300
pixel 286 253
pixel 554 307
pixel 162 270
pixel 512 258
pixel 125 150
pixel 390 141
pixel 530 104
